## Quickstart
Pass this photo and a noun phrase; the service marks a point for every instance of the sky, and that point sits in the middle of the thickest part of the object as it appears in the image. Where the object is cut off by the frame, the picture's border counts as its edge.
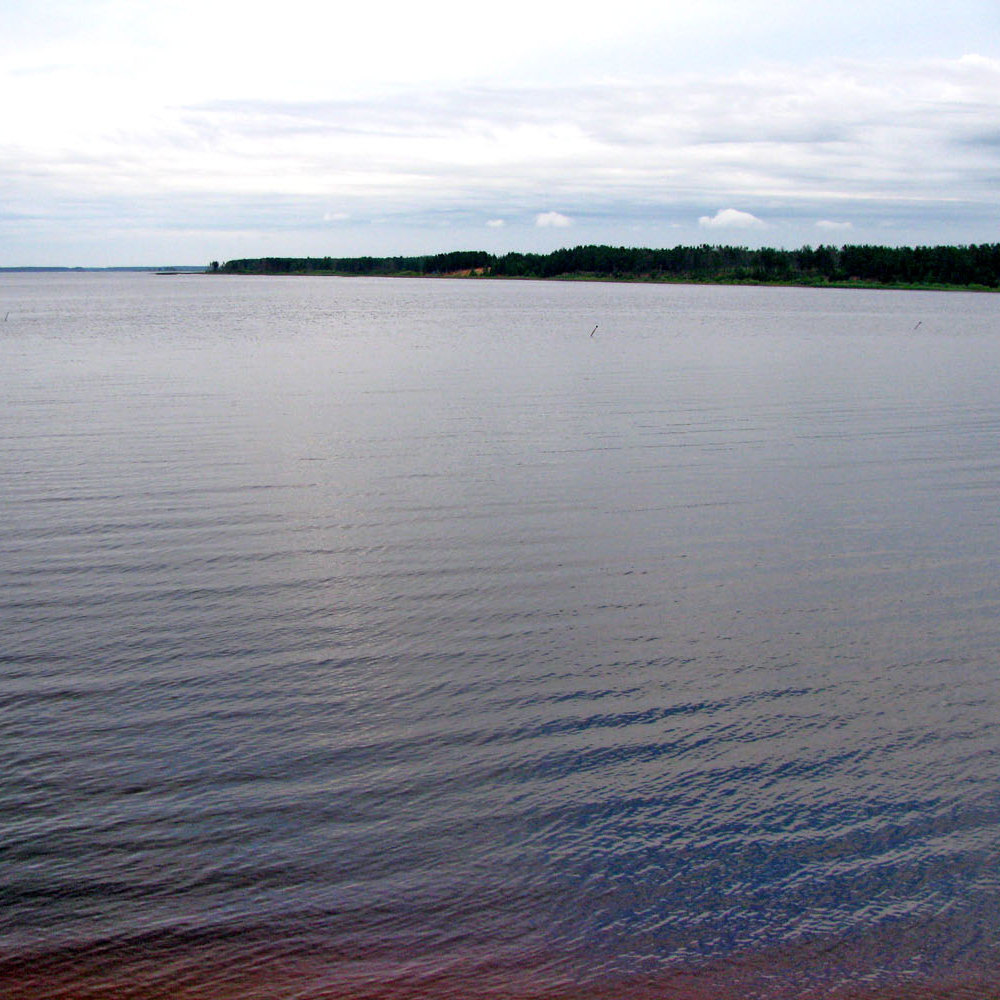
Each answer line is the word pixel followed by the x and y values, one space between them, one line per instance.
pixel 140 133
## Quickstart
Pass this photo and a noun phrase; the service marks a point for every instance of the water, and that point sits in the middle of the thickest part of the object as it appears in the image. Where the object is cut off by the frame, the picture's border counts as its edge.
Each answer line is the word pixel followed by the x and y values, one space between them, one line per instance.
pixel 391 638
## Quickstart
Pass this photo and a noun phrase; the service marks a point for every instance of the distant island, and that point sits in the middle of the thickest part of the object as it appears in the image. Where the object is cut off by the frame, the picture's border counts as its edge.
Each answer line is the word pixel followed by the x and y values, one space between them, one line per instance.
pixel 975 267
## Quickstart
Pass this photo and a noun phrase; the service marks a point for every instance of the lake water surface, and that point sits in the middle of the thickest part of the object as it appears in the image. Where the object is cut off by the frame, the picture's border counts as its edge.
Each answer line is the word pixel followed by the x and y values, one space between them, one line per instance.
pixel 397 638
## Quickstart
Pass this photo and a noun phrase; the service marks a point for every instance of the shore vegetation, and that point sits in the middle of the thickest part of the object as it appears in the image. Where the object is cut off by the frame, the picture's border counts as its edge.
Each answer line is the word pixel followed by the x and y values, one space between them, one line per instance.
pixel 975 266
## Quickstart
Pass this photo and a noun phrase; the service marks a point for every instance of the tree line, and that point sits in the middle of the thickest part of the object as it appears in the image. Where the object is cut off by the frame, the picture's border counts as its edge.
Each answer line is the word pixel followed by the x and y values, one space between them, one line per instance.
pixel 976 266
pixel 456 262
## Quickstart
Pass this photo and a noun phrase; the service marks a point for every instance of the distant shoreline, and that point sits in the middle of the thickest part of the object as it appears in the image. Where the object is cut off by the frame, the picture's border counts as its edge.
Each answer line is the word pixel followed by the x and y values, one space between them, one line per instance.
pixel 942 268
pixel 160 269
pixel 722 282
pixel 970 268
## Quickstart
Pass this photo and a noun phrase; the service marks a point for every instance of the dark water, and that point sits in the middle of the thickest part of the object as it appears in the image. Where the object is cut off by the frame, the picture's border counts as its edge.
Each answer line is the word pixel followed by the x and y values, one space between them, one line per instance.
pixel 397 638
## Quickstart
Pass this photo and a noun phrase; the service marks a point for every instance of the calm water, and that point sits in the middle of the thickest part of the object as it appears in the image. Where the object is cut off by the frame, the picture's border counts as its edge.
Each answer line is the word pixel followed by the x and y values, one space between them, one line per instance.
pixel 397 638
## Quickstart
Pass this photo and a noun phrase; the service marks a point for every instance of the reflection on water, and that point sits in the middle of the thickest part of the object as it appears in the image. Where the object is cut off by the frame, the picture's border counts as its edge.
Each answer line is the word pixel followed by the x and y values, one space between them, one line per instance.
pixel 397 637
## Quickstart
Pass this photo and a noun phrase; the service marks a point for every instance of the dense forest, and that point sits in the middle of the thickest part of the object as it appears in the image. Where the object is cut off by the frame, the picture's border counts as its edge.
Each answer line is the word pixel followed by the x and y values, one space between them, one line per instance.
pixel 975 266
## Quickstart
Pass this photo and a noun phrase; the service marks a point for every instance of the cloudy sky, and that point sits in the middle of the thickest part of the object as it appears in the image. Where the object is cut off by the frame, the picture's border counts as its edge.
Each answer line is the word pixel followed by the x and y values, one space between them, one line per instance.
pixel 134 132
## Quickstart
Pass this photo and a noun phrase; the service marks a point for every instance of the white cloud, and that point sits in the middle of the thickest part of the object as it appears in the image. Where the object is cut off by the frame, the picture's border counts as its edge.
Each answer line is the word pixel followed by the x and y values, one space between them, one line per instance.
pixel 976 61
pixel 335 216
pixel 555 220
pixel 730 218
pixel 831 226
pixel 495 223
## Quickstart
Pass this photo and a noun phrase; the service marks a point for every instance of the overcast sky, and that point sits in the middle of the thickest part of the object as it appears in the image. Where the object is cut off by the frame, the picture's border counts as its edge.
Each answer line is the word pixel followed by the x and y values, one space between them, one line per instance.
pixel 181 131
